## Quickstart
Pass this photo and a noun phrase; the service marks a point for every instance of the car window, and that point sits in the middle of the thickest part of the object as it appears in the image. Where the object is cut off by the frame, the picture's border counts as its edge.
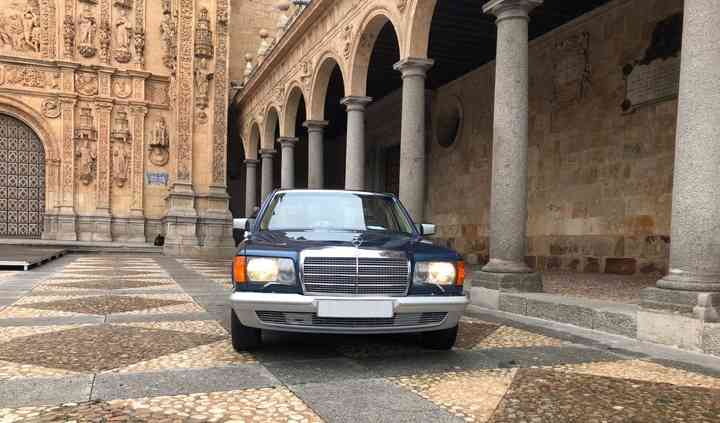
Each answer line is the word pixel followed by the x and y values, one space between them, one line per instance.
pixel 334 211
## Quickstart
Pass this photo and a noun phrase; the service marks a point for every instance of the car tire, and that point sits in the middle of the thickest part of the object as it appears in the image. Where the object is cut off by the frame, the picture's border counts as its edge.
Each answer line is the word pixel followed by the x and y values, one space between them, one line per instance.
pixel 439 339
pixel 244 338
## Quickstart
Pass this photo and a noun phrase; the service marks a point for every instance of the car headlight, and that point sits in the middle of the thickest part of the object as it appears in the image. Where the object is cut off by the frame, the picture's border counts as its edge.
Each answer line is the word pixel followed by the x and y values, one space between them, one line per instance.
pixel 439 272
pixel 267 270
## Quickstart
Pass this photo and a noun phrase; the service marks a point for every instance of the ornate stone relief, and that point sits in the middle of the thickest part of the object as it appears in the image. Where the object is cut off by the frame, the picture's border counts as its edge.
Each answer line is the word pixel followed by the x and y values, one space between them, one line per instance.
pixel 105 36
pixel 121 138
pixel 160 143
pixel 157 92
pixel 51 107
pixel 203 76
pixel 249 68
pixel 168 32
pixel 401 5
pixel 347 41
pixel 263 47
pixel 123 36
pixel 139 36
pixel 123 4
pixel 69 36
pixel 184 72
pixel 86 83
pixel 85 146
pixel 87 32
pixel 219 165
pixel 27 76
pixel 122 87
pixel 203 36
pixel 204 51
pixel 572 70
pixel 20 30
pixel 306 70
pixel 283 19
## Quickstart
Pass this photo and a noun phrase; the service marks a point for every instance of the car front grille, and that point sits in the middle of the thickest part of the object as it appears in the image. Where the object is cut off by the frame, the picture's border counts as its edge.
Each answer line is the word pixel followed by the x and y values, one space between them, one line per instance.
pixel 384 276
pixel 312 320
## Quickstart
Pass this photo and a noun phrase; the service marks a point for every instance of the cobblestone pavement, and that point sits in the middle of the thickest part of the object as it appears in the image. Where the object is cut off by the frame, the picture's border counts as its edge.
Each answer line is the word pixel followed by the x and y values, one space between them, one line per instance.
pixel 93 338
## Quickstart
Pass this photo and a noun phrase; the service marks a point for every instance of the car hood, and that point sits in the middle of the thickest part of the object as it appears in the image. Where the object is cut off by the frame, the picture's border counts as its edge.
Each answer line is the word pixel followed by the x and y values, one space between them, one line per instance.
pixel 296 241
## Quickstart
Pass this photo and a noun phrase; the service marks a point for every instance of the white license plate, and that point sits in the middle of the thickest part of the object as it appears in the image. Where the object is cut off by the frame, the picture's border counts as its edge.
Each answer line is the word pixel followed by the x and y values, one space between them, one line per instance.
pixel 355 308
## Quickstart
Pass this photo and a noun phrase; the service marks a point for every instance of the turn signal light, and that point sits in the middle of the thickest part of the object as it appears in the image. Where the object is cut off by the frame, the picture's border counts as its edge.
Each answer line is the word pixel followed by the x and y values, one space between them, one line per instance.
pixel 460 273
pixel 240 269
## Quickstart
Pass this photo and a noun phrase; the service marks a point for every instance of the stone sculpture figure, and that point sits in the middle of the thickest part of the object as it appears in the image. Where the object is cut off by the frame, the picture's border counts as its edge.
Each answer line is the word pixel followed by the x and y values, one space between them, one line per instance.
pixel 121 164
pixel 160 144
pixel 123 36
pixel 69 34
pixel 88 158
pixel 31 35
pixel 86 33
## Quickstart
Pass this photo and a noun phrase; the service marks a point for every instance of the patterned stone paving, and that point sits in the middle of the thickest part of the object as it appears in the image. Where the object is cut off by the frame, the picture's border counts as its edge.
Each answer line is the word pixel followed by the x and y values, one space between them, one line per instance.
pixel 251 405
pixel 301 378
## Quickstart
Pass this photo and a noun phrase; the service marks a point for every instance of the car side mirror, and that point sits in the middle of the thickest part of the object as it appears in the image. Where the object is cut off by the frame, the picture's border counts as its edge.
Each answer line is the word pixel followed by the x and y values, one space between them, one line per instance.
pixel 244 224
pixel 426 229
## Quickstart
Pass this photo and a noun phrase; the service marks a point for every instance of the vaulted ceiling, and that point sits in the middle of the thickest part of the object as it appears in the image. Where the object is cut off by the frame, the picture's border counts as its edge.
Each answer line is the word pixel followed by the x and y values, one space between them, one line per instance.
pixel 463 38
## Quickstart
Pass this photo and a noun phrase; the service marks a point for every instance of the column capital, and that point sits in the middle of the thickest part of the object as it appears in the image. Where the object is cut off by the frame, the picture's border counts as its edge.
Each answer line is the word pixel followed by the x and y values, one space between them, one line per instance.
pixel 287 142
pixel 508 9
pixel 315 125
pixel 355 102
pixel 267 153
pixel 252 162
pixel 413 66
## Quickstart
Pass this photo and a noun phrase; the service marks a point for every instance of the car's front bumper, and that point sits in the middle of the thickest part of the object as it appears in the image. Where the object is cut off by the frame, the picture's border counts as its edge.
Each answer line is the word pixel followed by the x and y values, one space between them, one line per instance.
pixel 412 314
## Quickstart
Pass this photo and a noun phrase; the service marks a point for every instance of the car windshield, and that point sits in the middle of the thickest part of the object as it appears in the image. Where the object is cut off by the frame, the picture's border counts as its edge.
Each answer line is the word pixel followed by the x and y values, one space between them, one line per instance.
pixel 341 211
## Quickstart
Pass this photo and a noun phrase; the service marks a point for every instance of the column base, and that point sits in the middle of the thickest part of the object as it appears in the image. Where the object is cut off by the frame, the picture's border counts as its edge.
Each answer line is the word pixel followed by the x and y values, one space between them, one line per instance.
pixel 181 222
pixel 704 306
pixel 102 227
pixel 214 225
pixel 136 227
pixel 66 228
pixel 487 286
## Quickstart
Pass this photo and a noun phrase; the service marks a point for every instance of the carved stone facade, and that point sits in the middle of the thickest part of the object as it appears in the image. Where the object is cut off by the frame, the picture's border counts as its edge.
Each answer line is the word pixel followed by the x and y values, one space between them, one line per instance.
pixel 96 80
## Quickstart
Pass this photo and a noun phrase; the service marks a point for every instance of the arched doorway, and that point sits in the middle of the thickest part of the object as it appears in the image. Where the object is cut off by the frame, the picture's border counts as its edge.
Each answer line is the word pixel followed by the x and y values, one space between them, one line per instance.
pixel 22 180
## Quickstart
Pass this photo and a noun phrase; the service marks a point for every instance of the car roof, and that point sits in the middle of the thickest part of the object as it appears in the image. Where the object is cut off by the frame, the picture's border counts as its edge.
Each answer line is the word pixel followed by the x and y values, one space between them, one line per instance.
pixel 335 191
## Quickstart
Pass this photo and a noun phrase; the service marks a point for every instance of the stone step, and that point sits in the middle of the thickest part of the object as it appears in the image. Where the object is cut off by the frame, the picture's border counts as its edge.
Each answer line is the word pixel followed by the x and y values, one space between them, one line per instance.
pixel 88 246
pixel 604 316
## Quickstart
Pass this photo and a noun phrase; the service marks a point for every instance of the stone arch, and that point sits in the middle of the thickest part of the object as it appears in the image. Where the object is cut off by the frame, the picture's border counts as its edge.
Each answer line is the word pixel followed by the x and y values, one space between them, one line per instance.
pixel 252 144
pixel 291 109
pixel 272 118
pixel 321 79
pixel 373 22
pixel 12 107
pixel 418 23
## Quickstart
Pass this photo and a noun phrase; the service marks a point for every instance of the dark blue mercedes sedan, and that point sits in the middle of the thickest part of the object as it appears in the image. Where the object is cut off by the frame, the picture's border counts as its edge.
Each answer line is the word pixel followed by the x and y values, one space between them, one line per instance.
pixel 343 262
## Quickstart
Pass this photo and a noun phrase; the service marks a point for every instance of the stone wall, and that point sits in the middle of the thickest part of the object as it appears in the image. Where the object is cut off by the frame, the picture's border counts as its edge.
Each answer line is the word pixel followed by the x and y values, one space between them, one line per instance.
pixel 247 19
pixel 120 115
pixel 600 180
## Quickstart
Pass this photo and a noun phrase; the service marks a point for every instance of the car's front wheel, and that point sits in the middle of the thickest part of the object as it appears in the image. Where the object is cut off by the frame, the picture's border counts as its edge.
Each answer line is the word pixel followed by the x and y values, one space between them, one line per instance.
pixel 439 339
pixel 244 338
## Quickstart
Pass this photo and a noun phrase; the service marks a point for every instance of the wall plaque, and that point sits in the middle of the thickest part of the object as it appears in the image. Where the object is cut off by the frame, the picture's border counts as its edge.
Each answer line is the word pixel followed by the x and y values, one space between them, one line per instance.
pixel 156 178
pixel 655 77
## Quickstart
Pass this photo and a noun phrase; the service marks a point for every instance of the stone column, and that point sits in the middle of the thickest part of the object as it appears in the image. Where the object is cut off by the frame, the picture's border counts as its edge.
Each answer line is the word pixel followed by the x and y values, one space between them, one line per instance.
pixel 355 156
pixel 266 184
pixel 412 138
pixel 287 162
pixel 316 164
pixel 136 222
pixel 506 269
pixel 67 219
pixel 251 186
pixel 103 219
pixel 693 283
